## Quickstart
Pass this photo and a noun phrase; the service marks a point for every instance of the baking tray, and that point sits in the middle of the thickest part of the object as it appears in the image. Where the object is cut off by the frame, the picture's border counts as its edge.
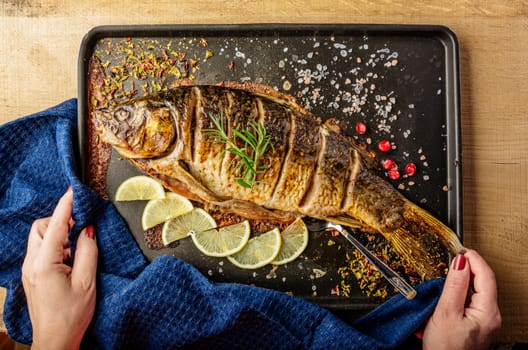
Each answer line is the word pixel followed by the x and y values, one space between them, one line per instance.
pixel 402 81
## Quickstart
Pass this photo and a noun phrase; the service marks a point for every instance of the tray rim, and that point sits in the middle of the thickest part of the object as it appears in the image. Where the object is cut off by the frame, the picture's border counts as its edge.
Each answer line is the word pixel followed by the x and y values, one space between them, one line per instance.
pixel 452 71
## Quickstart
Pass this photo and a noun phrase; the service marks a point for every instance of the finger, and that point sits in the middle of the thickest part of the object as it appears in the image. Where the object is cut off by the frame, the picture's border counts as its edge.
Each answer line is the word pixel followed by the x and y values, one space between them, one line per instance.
pixel 484 282
pixel 58 228
pixel 453 297
pixel 35 235
pixel 85 262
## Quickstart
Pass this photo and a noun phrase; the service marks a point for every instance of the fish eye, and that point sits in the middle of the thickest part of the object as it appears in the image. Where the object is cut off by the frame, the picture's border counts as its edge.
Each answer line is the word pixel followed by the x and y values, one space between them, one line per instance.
pixel 122 114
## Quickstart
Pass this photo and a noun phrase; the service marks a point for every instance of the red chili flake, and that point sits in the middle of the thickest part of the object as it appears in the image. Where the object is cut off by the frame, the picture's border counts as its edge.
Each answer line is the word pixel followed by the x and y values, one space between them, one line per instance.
pixel 394 174
pixel 388 164
pixel 361 128
pixel 384 146
pixel 334 233
pixel 410 169
pixel 335 290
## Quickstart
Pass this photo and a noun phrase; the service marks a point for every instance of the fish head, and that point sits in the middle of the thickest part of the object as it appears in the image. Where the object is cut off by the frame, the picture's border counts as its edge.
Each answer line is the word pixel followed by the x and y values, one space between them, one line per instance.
pixel 141 129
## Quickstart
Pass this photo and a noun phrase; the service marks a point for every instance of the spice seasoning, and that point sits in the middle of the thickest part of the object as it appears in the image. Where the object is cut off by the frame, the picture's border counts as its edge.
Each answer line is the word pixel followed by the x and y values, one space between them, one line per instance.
pixel 147 64
pixel 358 269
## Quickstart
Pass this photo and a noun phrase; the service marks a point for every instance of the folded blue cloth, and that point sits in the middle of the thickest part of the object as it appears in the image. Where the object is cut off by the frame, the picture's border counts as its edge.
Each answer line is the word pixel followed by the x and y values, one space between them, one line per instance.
pixel 166 304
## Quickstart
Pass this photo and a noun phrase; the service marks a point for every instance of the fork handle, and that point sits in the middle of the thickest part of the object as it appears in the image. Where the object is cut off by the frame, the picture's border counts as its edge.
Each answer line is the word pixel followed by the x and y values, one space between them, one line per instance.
pixel 396 280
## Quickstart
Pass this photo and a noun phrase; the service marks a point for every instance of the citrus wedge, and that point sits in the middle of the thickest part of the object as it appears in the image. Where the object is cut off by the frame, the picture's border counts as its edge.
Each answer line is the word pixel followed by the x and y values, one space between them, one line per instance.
pixel 160 210
pixel 224 241
pixel 259 251
pixel 294 242
pixel 139 188
pixel 197 220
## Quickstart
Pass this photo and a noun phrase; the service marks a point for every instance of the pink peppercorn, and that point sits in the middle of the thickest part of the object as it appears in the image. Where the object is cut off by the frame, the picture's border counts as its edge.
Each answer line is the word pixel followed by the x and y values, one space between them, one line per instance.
pixel 384 146
pixel 394 174
pixel 388 164
pixel 410 169
pixel 361 128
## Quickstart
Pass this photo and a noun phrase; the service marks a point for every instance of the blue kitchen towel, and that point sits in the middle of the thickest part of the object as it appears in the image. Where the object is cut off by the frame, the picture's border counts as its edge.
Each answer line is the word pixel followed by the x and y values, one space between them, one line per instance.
pixel 166 304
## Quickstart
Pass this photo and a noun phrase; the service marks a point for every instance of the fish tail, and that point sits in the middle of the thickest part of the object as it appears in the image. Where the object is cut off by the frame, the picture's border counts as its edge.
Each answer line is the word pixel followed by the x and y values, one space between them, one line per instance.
pixel 436 227
pixel 421 230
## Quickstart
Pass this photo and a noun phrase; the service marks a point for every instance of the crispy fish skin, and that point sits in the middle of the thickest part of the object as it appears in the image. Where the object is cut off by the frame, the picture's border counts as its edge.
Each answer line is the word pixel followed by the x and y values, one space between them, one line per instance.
pixel 311 170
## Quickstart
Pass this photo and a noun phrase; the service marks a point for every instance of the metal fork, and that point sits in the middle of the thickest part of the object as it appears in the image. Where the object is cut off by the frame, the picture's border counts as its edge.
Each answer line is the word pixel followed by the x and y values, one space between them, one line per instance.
pixel 390 275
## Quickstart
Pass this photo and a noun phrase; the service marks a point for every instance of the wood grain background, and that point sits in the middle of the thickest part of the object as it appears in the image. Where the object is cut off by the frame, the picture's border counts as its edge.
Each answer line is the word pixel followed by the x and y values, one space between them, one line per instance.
pixel 38 69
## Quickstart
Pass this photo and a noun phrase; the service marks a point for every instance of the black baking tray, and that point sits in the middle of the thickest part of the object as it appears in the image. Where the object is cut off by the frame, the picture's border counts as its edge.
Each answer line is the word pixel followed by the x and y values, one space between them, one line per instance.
pixel 401 80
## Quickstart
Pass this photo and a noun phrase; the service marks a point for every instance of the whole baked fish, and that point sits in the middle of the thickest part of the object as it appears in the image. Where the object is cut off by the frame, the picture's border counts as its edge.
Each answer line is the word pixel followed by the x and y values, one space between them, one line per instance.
pixel 309 169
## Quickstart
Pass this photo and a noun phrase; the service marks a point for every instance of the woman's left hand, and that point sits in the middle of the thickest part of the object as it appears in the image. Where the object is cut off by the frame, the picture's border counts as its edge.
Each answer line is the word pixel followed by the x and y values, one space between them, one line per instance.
pixel 61 299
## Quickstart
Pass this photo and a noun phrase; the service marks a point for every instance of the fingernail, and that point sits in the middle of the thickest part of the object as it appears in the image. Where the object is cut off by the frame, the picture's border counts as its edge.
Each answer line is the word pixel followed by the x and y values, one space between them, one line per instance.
pixel 460 262
pixel 69 189
pixel 90 232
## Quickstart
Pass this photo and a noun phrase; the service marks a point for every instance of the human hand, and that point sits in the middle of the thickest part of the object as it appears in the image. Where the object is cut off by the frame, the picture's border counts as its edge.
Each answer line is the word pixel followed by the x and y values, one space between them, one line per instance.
pixel 455 325
pixel 61 299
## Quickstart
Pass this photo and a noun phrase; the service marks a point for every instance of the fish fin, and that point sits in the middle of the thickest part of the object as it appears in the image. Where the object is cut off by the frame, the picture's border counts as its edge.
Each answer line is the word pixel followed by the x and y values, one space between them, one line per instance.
pixel 188 186
pixel 414 252
pixel 419 230
pixel 415 214
pixel 266 91
pixel 186 182
pixel 253 211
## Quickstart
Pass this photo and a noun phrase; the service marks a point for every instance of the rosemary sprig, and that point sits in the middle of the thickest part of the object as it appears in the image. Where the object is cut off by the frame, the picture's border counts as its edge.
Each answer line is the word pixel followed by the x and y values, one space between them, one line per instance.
pixel 247 146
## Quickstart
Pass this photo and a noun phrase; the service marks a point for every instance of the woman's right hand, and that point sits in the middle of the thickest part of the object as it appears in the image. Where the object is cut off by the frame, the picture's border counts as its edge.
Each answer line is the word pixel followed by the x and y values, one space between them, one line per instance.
pixel 458 323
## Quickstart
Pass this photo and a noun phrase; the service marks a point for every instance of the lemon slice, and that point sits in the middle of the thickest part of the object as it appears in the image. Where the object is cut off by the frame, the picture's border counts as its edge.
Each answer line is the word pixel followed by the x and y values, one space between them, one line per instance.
pixel 139 188
pixel 259 251
pixel 224 241
pixel 196 220
pixel 294 242
pixel 160 210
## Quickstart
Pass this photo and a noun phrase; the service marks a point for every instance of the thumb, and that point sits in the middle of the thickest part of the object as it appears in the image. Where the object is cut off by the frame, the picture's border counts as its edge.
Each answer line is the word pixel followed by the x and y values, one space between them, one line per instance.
pixel 85 261
pixel 453 298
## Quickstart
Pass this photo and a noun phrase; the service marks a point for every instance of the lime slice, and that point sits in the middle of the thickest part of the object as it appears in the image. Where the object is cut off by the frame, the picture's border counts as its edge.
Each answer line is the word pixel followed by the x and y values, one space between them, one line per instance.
pixel 224 241
pixel 160 210
pixel 139 188
pixel 259 251
pixel 294 242
pixel 196 220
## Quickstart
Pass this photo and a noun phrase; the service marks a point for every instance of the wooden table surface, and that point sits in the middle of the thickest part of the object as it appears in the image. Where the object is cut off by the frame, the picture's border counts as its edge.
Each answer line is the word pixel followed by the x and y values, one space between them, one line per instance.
pixel 41 39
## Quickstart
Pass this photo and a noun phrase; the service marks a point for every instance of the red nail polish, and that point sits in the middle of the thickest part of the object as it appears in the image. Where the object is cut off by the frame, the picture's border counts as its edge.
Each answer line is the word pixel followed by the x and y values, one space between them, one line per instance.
pixel 69 189
pixel 90 232
pixel 460 262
